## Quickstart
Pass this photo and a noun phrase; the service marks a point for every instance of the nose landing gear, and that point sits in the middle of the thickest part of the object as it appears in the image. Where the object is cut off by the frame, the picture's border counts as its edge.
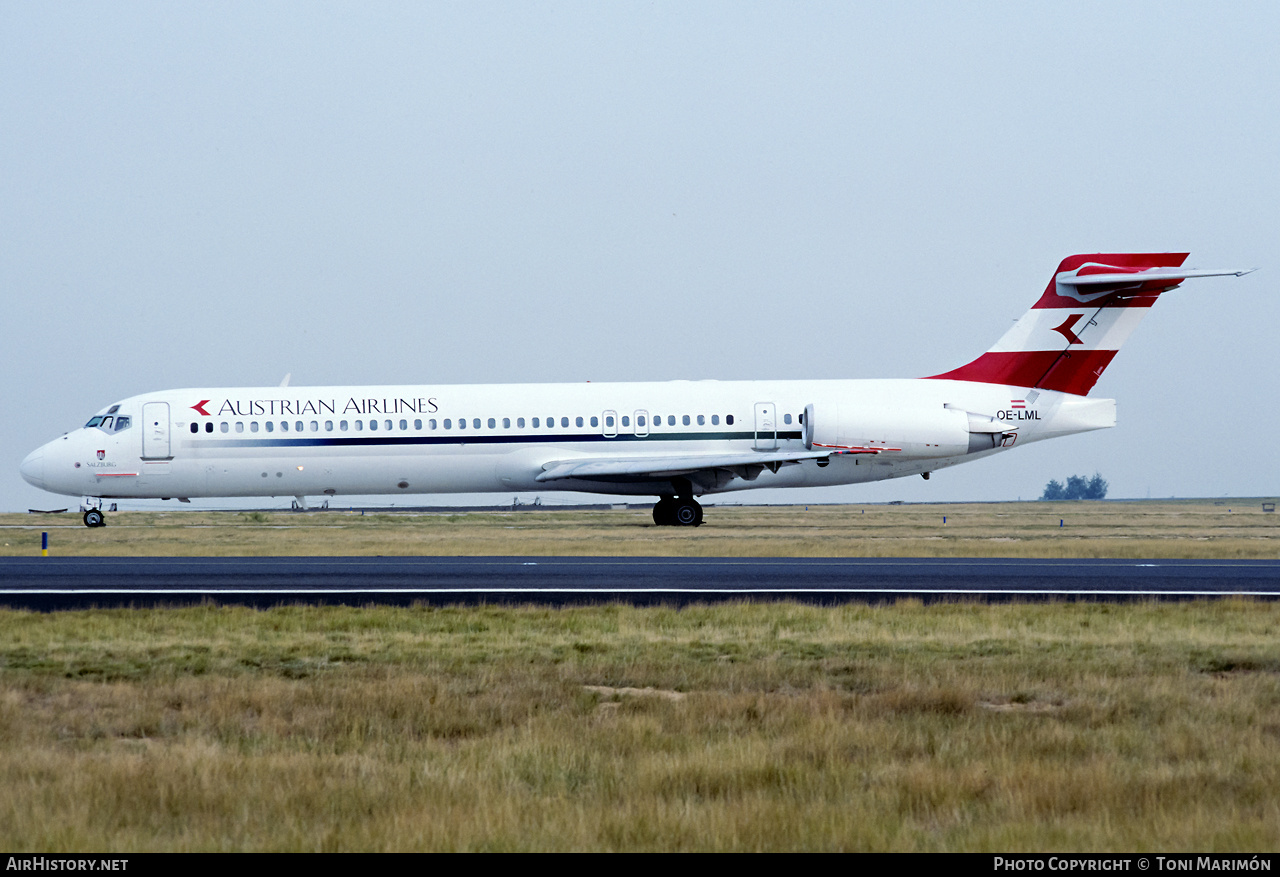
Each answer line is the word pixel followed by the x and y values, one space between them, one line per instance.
pixel 93 514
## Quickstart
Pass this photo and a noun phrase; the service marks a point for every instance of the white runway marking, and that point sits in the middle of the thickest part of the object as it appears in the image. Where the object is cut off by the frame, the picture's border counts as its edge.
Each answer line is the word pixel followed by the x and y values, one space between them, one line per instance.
pixel 624 590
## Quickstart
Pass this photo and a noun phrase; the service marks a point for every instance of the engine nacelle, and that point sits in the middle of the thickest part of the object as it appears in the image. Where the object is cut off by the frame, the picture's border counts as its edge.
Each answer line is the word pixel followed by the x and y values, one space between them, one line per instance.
pixel 901 432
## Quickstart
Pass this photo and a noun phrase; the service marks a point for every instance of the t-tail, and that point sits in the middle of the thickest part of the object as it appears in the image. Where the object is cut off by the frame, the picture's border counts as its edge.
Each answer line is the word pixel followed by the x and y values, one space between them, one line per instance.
pixel 1092 304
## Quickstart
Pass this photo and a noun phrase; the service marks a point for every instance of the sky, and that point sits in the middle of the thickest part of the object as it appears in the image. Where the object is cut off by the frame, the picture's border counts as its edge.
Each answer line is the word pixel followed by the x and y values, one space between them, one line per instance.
pixel 197 194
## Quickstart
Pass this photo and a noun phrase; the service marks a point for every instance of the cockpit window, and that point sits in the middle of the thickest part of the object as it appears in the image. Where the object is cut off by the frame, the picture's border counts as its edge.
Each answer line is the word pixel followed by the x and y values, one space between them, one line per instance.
pixel 104 421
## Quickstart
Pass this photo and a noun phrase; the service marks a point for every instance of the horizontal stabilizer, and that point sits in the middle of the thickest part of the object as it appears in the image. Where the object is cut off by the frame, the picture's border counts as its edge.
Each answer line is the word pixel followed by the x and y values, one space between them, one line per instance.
pixel 1094 282
pixel 1173 274
pixel 668 467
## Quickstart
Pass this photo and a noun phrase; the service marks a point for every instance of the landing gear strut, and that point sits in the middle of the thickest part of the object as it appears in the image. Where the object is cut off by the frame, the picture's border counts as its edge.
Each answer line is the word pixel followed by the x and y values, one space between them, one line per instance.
pixel 677 512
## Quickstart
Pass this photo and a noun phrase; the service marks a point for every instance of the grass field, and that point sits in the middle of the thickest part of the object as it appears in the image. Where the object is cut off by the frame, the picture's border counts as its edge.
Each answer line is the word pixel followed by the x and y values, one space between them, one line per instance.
pixel 728 727
pixel 1209 529
pixel 733 727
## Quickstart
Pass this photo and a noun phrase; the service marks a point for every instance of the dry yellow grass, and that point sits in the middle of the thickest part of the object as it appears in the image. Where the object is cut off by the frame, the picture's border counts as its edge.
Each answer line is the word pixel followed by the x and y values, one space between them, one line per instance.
pixel 957 727
pixel 1171 529
pixel 733 727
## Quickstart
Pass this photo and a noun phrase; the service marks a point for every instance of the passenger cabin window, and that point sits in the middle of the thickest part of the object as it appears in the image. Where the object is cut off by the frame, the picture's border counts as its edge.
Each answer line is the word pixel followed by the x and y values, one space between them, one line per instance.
pixel 462 423
pixel 373 424
pixel 387 424
pixel 223 426
pixel 492 423
pixel 639 420
pixel 702 421
pixel 578 421
pixel 728 419
pixel 671 420
pixel 417 424
pixel 626 420
pixel 328 426
pixel 535 423
pixel 786 418
pixel 608 421
pixel 342 425
pixel 715 419
pixel 195 427
pixel 431 424
pixel 685 420
pixel 564 422
pixel 253 426
pixel 404 424
pixel 448 424
pixel 359 425
pixel 208 427
pixel 271 427
pixel 239 426
pixel 506 423
pixel 520 423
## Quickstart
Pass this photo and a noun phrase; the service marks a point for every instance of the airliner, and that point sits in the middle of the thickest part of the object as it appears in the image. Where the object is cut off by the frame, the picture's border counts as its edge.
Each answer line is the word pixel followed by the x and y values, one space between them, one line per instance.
pixel 674 440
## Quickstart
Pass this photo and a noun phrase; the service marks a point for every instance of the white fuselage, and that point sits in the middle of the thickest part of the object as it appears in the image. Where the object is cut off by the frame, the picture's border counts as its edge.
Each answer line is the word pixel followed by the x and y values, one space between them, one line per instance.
pixel 314 441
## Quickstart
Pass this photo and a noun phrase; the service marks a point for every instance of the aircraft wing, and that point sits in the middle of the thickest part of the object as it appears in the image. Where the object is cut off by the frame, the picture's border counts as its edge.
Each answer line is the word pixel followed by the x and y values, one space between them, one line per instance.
pixel 647 468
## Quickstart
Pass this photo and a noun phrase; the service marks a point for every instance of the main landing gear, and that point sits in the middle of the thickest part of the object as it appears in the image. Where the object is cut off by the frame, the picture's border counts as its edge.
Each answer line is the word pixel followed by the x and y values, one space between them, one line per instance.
pixel 673 511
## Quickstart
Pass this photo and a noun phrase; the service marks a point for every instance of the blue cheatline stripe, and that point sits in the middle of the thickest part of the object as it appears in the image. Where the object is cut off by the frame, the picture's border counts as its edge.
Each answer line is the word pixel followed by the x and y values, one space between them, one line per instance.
pixel 467 438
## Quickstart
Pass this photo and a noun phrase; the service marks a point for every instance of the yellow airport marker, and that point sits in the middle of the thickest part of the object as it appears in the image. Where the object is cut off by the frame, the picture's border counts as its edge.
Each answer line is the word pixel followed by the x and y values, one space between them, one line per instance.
pixel 44 544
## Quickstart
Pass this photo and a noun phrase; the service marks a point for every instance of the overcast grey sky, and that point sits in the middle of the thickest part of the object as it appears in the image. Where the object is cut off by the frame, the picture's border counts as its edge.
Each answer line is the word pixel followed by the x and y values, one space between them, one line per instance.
pixel 217 194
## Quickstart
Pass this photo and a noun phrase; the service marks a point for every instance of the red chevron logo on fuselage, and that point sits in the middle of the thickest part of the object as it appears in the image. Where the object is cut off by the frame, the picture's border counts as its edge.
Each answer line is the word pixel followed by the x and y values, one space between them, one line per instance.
pixel 199 406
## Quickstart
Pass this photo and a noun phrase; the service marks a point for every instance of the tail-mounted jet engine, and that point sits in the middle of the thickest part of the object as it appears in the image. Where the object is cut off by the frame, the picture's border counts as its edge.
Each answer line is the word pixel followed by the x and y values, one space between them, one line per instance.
pixel 904 433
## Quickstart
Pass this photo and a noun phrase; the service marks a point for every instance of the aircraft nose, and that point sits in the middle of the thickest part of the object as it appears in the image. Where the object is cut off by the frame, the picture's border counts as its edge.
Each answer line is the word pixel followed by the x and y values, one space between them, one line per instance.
pixel 32 468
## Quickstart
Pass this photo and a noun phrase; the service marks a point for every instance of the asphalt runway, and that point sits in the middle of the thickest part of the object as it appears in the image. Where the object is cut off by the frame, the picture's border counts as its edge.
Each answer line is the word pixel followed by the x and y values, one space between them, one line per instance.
pixel 48 583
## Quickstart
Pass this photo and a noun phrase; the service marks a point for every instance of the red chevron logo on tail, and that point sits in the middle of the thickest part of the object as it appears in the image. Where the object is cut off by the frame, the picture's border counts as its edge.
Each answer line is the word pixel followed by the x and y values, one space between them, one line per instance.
pixel 1065 330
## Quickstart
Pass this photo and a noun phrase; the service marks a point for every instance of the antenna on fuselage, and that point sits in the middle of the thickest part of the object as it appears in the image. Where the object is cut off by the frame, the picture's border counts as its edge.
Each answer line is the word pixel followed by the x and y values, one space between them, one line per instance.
pixel 285 382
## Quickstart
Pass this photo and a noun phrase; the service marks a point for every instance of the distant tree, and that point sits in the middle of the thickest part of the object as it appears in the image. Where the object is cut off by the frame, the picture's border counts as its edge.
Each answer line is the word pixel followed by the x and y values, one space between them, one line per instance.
pixel 1097 487
pixel 1077 487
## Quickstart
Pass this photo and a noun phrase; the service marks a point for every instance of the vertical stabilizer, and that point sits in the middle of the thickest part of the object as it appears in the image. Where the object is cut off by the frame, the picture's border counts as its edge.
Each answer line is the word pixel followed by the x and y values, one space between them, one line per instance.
pixel 1091 305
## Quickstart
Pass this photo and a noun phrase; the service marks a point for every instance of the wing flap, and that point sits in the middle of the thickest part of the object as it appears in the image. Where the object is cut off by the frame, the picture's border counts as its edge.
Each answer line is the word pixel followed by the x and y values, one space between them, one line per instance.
pixel 671 466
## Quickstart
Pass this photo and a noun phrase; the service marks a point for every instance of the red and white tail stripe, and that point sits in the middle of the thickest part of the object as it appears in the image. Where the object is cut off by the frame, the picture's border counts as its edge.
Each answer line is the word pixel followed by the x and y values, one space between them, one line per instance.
pixel 1090 307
